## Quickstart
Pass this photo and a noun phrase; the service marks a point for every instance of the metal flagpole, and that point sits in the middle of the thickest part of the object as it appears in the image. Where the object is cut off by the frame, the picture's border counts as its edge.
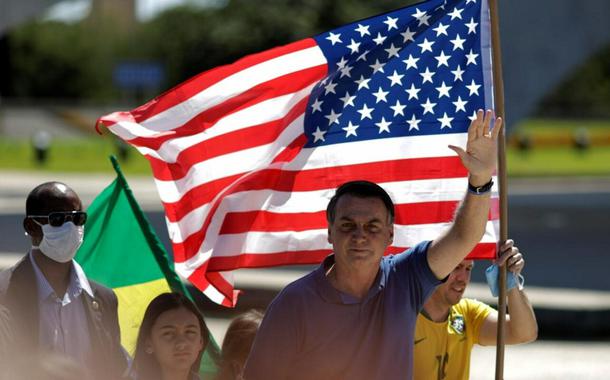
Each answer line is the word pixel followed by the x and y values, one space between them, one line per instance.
pixel 499 109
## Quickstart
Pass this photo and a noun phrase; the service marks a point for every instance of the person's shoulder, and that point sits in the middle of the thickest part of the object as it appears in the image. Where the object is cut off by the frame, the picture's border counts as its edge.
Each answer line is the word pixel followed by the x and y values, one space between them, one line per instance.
pixel 100 289
pixel 6 274
pixel 412 253
pixel 471 306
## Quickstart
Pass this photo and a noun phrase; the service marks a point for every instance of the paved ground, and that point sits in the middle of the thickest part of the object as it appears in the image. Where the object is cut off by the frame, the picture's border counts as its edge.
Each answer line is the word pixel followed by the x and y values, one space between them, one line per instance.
pixel 542 360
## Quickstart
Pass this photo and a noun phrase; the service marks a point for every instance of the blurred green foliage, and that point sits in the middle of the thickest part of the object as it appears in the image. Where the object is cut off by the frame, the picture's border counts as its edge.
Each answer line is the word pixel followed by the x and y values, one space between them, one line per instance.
pixel 75 61
pixel 585 92
pixel 68 61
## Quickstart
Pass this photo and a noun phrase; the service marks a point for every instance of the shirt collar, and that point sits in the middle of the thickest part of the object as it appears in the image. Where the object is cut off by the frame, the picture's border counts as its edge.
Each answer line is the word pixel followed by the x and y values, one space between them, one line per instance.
pixel 78 281
pixel 331 295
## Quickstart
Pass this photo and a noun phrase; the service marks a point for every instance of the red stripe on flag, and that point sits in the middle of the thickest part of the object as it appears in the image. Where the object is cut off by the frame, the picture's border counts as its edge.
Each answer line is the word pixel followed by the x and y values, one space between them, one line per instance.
pixel 224 144
pixel 324 178
pixel 208 78
pixel 281 86
pixel 266 221
pixel 250 260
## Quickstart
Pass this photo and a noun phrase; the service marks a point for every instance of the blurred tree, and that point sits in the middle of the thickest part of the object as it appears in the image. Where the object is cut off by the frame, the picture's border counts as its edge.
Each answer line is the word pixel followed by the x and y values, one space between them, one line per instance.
pixel 585 92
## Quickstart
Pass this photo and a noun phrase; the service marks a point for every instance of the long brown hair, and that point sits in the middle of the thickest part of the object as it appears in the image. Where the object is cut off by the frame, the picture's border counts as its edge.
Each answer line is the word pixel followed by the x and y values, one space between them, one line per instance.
pixel 145 366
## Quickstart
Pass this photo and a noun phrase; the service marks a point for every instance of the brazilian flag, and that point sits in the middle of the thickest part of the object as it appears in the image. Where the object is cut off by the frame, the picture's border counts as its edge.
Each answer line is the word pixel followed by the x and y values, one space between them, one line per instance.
pixel 121 251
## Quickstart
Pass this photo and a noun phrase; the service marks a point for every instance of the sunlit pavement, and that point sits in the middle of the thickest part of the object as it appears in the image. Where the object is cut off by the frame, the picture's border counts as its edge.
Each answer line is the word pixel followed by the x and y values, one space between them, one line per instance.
pixel 541 360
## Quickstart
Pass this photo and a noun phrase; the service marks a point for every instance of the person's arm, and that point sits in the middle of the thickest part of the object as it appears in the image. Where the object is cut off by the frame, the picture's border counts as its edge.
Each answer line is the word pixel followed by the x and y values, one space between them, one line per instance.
pixel 479 158
pixel 521 325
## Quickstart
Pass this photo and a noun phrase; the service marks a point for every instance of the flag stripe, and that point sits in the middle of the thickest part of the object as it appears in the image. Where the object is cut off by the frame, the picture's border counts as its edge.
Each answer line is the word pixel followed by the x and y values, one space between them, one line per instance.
pixel 311 201
pixel 252 159
pixel 325 178
pixel 266 221
pixel 247 260
pixel 216 145
pixel 264 101
pixel 270 242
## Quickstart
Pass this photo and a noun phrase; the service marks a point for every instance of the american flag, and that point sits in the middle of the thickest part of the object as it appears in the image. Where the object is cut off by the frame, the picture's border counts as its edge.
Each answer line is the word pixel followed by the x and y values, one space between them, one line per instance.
pixel 246 156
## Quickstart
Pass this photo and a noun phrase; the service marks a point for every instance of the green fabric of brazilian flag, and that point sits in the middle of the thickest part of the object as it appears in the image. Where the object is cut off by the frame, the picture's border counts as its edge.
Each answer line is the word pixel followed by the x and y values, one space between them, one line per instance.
pixel 122 251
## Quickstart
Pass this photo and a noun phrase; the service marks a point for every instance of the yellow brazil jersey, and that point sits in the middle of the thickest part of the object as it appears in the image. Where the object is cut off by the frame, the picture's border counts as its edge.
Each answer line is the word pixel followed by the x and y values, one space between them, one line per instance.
pixel 442 350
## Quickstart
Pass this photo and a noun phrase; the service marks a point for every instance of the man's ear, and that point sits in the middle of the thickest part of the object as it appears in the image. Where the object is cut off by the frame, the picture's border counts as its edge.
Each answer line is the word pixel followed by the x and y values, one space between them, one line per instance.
pixel 329 237
pixel 32 228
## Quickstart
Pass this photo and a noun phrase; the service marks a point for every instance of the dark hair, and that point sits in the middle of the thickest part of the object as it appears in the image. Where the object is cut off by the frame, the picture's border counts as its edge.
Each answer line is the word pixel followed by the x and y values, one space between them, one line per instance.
pixel 237 342
pixel 39 198
pixel 361 189
pixel 146 366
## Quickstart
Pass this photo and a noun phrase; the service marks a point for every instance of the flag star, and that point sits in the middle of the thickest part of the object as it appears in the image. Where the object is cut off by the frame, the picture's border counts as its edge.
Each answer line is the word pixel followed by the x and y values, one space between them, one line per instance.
pixel 428 106
pixel 333 117
pixel 427 75
pixel 319 135
pixel 445 121
pixel 346 71
pixel 330 88
pixel 398 109
pixel 472 58
pixel 350 129
pixel 457 74
pixel 422 17
pixel 407 36
pixel 380 95
pixel 426 45
pixel 365 112
pixel 441 29
pixel 473 88
pixel 317 106
pixel 473 117
pixel 413 123
pixel 334 38
pixel 379 39
pixel 458 42
pixel 413 91
pixel 341 64
pixel 395 78
pixel 392 51
pixel 348 100
pixel 363 56
pixel 443 90
pixel 354 46
pixel 471 1
pixel 377 66
pixel 391 23
pixel 457 13
pixel 363 30
pixel 443 60
pixel 460 104
pixel 472 26
pixel 383 125
pixel 442 6
pixel 363 83
pixel 411 62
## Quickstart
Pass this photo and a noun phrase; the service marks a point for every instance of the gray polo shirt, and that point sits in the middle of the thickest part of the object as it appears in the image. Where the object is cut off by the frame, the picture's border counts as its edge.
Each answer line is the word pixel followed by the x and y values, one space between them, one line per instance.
pixel 313 331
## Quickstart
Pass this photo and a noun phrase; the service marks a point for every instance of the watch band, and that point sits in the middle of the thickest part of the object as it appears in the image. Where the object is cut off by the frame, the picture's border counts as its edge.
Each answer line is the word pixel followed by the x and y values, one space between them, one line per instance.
pixel 481 189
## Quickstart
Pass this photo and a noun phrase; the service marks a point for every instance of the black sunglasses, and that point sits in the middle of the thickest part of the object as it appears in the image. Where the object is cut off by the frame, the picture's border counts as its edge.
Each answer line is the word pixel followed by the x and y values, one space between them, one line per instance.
pixel 58 218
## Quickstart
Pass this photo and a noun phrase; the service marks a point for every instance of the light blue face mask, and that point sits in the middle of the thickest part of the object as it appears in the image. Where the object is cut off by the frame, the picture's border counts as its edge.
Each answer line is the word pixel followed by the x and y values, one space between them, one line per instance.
pixel 493 272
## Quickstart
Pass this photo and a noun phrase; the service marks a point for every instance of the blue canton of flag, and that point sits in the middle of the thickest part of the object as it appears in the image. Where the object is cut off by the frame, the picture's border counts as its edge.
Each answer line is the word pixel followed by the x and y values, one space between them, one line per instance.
pixel 420 70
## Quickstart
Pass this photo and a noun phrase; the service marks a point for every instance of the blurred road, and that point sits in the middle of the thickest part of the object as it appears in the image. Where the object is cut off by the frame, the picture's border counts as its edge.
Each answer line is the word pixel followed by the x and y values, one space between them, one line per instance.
pixel 541 360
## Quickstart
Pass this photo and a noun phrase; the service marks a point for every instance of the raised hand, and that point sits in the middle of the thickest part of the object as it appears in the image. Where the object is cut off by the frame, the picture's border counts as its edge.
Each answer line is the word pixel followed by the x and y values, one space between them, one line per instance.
pixel 481 149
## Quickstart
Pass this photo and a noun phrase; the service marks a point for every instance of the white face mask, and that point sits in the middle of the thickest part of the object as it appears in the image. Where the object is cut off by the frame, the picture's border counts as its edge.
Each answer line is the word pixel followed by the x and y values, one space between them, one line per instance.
pixel 60 243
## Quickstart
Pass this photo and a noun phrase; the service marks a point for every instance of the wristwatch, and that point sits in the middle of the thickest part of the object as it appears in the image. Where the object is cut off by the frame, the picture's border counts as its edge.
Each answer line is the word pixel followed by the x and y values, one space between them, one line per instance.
pixel 481 189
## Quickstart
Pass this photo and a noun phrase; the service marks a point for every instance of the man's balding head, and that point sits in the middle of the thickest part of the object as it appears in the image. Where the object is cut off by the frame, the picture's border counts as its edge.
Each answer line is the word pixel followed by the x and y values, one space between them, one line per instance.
pixel 52 196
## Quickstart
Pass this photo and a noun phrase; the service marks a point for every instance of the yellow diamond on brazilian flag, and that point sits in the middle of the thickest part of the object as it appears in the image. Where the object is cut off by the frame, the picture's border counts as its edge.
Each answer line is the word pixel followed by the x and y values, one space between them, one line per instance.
pixel 121 251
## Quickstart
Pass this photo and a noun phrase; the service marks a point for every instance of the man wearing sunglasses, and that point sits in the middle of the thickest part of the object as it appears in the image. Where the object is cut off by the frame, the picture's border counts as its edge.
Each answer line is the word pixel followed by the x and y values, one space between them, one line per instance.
pixel 53 306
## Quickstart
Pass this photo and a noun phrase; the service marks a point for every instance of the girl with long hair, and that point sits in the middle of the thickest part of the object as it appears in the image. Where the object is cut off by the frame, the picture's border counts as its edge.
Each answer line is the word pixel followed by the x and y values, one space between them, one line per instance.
pixel 171 340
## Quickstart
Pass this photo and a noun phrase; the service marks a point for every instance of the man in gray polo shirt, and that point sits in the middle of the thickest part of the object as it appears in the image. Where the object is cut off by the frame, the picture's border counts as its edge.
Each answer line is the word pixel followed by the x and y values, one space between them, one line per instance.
pixel 354 317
